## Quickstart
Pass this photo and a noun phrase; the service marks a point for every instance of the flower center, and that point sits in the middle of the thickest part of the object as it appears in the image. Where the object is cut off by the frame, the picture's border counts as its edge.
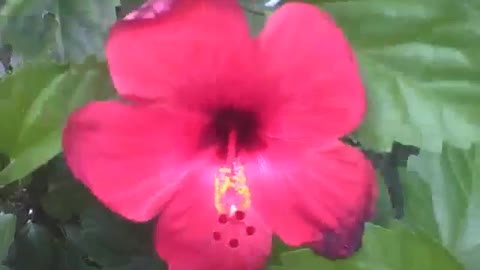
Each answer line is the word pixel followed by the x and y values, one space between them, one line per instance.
pixel 244 123
pixel 232 197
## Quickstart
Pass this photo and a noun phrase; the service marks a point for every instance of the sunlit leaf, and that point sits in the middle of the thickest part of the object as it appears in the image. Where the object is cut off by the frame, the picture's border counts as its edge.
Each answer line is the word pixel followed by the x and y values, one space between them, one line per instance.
pixel 60 29
pixel 420 61
pixel 447 187
pixel 7 233
pixel 34 104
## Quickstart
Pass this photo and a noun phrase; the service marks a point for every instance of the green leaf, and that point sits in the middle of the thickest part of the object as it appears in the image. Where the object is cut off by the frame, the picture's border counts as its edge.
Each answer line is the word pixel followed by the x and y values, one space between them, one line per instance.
pixel 256 14
pixel 35 243
pixel 34 104
pixel 72 257
pixel 384 212
pixel 420 61
pixel 7 233
pixel 416 192
pixel 66 197
pixel 447 186
pixel 127 6
pixel 141 263
pixel 256 20
pixel 278 248
pixel 63 29
pixel 111 240
pixel 384 249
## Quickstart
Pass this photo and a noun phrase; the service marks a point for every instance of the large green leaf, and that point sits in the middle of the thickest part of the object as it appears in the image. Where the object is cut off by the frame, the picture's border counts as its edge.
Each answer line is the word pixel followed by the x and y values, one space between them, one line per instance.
pixel 66 197
pixel 447 187
pixel 384 212
pixel 383 249
pixel 72 258
pixel 34 104
pixel 62 29
pixel 141 263
pixel 34 248
pixel 7 233
pixel 112 241
pixel 72 255
pixel 420 60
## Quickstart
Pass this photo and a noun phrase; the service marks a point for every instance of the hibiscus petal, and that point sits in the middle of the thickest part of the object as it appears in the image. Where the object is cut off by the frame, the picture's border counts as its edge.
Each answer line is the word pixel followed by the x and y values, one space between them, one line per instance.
pixel 186 228
pixel 182 53
pixel 130 157
pixel 313 196
pixel 316 72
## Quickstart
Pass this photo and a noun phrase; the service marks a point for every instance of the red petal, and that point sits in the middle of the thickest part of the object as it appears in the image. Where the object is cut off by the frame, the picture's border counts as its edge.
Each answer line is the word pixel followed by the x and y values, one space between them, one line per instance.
pixel 130 157
pixel 307 195
pixel 185 231
pixel 190 49
pixel 316 71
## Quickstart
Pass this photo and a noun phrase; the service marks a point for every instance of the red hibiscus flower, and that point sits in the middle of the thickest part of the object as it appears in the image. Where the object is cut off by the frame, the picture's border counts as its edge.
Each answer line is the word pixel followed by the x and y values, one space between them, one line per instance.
pixel 228 138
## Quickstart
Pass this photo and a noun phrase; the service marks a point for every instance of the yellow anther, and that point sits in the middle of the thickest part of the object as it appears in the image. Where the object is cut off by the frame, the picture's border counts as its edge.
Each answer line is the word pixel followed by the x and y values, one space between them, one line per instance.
pixel 231 183
pixel 224 170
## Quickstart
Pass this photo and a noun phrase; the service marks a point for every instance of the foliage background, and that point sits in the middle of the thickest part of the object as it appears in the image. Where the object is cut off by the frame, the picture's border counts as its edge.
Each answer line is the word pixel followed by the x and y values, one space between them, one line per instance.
pixel 420 60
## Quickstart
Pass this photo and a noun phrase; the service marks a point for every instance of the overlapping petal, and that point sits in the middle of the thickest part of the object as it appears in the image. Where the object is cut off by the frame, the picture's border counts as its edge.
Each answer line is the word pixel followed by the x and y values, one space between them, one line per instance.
pixel 316 73
pixel 310 194
pixel 184 236
pixel 124 154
